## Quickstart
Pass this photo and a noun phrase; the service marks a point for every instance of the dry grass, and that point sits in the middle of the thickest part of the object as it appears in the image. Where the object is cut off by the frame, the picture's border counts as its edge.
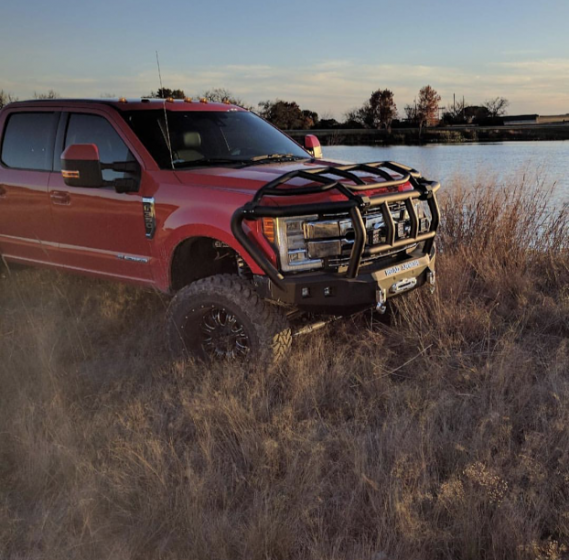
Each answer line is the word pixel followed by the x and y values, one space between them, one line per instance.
pixel 443 435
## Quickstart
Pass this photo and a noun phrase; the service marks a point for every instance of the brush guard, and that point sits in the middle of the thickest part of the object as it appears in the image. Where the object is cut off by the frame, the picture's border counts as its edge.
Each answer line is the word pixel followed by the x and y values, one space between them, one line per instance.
pixel 330 178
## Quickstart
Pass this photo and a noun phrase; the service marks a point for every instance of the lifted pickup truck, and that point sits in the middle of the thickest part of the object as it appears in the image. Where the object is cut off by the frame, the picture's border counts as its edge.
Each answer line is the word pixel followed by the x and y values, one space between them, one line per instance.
pixel 208 202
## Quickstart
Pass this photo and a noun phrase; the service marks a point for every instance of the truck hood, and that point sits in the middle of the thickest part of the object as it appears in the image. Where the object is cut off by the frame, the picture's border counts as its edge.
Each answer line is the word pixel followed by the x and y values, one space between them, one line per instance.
pixel 248 180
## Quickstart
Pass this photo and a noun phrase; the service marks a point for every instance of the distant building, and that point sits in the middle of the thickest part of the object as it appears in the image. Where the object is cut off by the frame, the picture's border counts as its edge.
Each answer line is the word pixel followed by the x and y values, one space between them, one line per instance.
pixel 474 114
pixel 553 119
pixel 512 120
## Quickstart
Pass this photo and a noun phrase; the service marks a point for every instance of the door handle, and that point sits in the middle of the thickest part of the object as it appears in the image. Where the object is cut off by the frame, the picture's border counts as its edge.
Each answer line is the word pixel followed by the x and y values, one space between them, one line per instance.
pixel 60 197
pixel 3 191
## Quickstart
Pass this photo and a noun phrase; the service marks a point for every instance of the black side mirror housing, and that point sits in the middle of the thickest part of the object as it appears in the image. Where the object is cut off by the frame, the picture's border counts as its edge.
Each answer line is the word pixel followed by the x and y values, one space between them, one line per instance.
pixel 81 167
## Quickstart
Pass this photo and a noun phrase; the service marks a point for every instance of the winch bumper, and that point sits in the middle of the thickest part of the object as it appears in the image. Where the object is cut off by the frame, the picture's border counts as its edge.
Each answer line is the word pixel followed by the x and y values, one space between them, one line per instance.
pixel 338 294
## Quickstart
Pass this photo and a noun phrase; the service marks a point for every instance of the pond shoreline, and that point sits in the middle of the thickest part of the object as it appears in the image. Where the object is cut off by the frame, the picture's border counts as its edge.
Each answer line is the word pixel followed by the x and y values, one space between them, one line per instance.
pixel 436 135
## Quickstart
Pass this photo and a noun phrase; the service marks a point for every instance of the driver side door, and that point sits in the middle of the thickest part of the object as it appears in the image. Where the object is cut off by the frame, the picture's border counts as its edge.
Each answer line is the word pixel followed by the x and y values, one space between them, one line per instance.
pixel 98 230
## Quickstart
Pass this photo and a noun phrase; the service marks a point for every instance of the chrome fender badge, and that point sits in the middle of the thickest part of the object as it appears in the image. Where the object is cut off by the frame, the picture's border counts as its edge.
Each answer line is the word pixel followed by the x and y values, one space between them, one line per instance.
pixel 149 217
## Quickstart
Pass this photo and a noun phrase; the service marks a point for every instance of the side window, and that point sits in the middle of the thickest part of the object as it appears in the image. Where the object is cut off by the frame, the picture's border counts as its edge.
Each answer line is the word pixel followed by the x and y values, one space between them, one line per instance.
pixel 28 141
pixel 93 129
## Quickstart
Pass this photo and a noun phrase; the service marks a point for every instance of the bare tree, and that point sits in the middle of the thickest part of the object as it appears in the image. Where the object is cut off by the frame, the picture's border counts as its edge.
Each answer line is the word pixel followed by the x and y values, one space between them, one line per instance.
pixel 6 98
pixel 497 107
pixel 358 117
pixel 382 108
pixel 327 115
pixel 165 93
pixel 427 106
pixel 51 94
pixel 411 112
pixel 455 113
pixel 220 95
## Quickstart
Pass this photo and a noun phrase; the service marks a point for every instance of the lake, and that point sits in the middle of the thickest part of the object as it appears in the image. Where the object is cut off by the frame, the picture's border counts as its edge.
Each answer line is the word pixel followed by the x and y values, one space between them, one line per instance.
pixel 442 162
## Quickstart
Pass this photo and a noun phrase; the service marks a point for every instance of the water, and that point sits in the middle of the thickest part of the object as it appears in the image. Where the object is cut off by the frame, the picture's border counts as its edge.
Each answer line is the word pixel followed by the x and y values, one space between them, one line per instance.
pixel 547 160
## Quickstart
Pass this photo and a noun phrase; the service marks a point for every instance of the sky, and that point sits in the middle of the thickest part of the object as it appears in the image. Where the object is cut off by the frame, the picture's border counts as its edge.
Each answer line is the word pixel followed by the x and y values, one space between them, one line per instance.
pixel 326 55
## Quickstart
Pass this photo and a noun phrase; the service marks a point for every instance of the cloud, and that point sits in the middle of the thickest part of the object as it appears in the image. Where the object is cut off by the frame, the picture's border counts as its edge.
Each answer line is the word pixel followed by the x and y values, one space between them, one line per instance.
pixel 335 86
pixel 522 52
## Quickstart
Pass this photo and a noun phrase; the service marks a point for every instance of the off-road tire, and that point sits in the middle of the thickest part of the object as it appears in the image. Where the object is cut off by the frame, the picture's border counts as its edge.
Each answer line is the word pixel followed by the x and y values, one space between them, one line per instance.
pixel 267 328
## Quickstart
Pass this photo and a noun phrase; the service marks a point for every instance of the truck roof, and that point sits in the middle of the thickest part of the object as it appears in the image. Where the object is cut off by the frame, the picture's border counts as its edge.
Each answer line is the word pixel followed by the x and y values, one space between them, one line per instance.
pixel 136 104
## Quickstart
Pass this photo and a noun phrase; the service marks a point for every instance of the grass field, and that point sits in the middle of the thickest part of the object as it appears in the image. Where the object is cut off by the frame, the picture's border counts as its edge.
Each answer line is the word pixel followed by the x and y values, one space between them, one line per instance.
pixel 442 435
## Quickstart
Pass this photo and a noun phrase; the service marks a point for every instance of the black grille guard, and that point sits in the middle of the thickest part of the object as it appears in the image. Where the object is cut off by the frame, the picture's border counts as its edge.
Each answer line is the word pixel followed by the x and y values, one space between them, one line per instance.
pixel 354 205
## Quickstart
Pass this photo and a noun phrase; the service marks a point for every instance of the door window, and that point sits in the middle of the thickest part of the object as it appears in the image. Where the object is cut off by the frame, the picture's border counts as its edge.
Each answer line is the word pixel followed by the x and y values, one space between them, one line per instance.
pixel 93 129
pixel 28 141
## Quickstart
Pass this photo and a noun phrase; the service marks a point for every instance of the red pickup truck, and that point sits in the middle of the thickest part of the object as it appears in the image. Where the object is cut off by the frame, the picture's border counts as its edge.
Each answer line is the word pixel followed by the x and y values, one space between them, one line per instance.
pixel 251 233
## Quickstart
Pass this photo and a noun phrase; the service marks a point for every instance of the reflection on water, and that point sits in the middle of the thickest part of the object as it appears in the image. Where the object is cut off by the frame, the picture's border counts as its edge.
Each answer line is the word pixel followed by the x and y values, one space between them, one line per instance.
pixel 548 160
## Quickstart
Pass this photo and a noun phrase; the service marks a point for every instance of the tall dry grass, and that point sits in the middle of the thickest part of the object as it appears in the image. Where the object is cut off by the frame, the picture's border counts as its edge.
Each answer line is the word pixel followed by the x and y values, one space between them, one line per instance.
pixel 444 434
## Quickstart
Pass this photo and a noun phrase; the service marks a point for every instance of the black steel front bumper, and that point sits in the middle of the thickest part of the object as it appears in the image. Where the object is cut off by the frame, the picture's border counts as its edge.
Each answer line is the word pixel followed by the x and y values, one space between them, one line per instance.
pixel 336 294
pixel 356 286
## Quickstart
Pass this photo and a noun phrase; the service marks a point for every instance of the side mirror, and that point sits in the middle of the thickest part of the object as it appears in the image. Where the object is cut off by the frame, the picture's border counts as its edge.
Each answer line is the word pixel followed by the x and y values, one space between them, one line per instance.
pixel 81 166
pixel 312 145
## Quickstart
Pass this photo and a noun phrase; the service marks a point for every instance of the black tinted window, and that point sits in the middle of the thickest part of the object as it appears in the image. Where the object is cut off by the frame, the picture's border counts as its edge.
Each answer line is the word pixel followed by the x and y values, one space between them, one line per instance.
pixel 28 141
pixel 92 129
pixel 201 135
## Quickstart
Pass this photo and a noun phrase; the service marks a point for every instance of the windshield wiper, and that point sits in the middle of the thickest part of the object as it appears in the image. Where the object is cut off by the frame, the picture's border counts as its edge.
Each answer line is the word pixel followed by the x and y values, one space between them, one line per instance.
pixel 178 164
pixel 256 160
pixel 268 158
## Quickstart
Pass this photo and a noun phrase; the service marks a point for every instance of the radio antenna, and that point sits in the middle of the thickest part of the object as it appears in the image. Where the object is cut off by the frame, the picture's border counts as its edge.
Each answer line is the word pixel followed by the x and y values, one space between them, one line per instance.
pixel 165 112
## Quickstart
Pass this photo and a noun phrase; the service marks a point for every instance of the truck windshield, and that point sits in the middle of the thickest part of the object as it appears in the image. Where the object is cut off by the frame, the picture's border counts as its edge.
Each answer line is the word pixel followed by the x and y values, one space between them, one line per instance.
pixel 202 138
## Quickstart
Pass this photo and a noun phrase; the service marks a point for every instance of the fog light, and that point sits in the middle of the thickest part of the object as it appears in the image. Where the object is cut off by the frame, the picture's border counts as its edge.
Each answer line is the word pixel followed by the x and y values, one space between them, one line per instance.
pixel 305 292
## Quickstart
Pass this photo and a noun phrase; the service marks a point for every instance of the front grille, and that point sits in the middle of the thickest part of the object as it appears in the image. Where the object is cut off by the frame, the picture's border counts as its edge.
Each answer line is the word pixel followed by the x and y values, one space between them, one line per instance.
pixel 376 233
pixel 337 262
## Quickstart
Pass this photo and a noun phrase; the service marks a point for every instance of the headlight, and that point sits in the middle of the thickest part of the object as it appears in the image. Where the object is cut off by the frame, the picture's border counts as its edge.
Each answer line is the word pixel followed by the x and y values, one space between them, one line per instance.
pixel 293 247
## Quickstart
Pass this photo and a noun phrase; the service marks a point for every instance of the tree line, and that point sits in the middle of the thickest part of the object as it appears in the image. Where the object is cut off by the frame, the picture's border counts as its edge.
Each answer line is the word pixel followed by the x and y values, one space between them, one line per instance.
pixel 6 97
pixel 379 111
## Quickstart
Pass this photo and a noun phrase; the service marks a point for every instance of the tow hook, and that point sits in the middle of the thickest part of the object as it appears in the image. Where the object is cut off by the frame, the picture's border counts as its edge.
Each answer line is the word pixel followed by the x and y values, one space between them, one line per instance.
pixel 432 279
pixel 381 306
